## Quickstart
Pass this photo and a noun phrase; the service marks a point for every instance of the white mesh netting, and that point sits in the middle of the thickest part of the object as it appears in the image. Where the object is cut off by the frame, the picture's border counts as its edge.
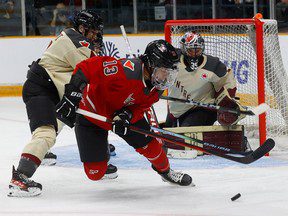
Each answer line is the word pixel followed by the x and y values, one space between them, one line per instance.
pixel 234 44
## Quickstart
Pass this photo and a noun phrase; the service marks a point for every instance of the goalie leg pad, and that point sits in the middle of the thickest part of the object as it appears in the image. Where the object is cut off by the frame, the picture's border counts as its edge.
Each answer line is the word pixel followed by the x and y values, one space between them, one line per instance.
pixel 156 155
pixel 231 137
pixel 95 170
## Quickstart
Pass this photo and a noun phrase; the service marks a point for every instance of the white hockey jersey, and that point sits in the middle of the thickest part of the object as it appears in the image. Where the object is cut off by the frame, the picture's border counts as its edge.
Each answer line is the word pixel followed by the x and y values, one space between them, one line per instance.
pixel 199 85
pixel 62 56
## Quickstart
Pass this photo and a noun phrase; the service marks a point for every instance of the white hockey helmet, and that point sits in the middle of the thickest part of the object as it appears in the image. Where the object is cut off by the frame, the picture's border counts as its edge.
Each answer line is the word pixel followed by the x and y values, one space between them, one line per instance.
pixel 192 45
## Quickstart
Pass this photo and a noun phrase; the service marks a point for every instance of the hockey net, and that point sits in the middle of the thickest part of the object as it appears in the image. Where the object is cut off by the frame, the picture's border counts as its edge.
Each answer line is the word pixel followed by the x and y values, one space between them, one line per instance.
pixel 250 47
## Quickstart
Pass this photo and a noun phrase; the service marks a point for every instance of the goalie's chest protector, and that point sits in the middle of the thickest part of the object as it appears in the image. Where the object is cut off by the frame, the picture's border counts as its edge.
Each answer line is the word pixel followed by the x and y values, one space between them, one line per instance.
pixel 195 85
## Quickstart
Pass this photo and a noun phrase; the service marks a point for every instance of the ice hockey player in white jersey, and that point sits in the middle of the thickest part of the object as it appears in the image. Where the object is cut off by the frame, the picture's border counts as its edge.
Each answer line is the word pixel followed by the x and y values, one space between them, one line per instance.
pixel 44 88
pixel 202 78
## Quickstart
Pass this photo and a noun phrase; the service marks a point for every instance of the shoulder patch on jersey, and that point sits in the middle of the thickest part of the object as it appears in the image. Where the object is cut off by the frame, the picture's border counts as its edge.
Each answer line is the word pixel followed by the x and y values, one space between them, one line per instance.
pixel 84 43
pixel 214 65
pixel 129 64
pixel 78 39
pixel 204 76
pixel 132 68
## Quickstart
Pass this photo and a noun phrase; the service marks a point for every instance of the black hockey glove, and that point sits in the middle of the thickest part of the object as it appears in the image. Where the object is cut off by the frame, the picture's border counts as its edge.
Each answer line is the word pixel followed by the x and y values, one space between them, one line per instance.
pixel 121 121
pixel 66 108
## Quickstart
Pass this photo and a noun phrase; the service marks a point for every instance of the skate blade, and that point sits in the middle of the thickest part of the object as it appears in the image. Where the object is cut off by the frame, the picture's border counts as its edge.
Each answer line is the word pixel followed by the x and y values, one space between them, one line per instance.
pixel 112 153
pixel 175 184
pixel 182 154
pixel 110 176
pixel 48 162
pixel 15 191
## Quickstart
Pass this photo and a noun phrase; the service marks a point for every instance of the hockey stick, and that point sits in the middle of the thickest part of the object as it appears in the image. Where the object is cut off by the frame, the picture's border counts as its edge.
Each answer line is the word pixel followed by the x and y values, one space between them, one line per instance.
pixel 150 114
pixel 153 121
pixel 244 159
pixel 251 112
pixel 126 40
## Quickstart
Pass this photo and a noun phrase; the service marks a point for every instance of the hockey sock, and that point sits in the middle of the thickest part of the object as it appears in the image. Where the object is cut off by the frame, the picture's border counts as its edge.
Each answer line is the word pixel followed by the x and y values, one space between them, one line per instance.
pixel 156 155
pixel 28 164
pixel 95 170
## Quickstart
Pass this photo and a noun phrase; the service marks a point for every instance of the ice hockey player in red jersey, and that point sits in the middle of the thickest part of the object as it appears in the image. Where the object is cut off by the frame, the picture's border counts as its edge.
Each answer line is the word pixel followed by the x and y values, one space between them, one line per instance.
pixel 120 90
pixel 201 78
pixel 44 88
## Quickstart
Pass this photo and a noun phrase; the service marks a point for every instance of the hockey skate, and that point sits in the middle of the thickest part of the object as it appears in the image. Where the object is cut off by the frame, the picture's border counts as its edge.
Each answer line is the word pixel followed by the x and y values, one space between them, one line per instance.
pixel 111 150
pixel 49 159
pixel 176 178
pixel 111 172
pixel 21 186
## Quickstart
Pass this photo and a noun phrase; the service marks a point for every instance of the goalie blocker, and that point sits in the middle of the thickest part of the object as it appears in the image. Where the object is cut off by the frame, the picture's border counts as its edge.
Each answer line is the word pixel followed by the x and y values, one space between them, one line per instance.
pixel 226 136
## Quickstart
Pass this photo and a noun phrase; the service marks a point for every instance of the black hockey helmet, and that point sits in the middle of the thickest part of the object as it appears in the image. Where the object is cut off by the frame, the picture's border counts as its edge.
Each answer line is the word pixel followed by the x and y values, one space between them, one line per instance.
pixel 160 53
pixel 89 19
pixel 161 60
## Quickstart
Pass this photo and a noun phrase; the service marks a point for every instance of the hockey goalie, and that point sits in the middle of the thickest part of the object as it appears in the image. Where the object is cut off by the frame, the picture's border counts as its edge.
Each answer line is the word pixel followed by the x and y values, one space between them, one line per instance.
pixel 203 78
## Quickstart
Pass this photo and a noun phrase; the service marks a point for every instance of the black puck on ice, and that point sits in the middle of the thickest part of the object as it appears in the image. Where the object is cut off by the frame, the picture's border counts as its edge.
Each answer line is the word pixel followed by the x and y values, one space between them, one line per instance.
pixel 236 197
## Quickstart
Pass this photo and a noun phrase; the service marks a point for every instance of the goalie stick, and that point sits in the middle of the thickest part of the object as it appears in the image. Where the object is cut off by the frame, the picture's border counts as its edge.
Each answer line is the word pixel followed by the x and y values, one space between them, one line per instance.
pixel 267 146
pixel 252 112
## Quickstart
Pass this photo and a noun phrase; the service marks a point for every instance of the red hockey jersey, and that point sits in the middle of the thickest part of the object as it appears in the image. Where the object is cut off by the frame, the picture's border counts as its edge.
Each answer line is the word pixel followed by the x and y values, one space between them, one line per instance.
pixel 114 84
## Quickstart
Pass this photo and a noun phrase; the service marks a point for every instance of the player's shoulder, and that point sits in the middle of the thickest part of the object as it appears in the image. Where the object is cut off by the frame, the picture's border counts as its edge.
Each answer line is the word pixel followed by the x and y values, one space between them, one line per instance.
pixel 214 65
pixel 102 60
pixel 77 39
pixel 132 68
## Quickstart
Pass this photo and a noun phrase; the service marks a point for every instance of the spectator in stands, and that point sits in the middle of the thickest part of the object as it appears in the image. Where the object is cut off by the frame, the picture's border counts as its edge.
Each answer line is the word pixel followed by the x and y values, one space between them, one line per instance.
pixel 9 9
pixel 30 7
pixel 282 15
pixel 60 18
pixel 231 9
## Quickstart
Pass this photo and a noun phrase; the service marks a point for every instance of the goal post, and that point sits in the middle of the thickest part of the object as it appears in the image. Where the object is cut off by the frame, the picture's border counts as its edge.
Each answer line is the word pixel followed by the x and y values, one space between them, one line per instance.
pixel 250 47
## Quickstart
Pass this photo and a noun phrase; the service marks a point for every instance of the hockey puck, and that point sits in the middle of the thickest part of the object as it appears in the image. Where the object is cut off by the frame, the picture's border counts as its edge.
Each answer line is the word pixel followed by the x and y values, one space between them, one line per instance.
pixel 236 197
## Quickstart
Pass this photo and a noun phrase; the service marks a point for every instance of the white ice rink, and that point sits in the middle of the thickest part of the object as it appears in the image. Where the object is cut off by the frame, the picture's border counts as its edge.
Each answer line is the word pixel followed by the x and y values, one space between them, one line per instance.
pixel 138 190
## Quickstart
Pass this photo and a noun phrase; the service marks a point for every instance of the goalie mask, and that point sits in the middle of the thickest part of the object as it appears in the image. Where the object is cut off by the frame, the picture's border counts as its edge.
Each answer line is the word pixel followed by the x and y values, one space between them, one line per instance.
pixel 161 60
pixel 192 46
pixel 92 24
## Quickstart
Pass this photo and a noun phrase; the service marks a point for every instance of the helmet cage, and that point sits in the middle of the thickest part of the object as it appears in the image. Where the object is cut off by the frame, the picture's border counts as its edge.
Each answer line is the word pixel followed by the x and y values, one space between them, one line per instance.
pixel 163 78
pixel 192 45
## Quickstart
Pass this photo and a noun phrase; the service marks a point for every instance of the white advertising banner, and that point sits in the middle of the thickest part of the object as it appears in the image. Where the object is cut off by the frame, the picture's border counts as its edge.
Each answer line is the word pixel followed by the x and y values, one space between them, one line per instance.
pixel 17 53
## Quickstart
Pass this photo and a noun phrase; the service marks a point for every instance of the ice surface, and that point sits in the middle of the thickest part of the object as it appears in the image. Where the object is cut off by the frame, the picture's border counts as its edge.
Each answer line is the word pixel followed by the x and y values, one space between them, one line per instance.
pixel 138 190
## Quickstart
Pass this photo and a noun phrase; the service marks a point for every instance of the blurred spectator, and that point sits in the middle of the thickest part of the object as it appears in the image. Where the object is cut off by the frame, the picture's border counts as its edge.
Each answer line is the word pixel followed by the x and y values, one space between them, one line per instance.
pixel 225 9
pixel 8 9
pixel 30 6
pixel 60 18
pixel 282 15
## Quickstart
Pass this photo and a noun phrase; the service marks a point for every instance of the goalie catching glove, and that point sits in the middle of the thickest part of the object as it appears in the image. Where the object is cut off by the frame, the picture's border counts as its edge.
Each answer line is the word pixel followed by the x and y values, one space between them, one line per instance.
pixel 225 118
pixel 121 121
pixel 66 108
